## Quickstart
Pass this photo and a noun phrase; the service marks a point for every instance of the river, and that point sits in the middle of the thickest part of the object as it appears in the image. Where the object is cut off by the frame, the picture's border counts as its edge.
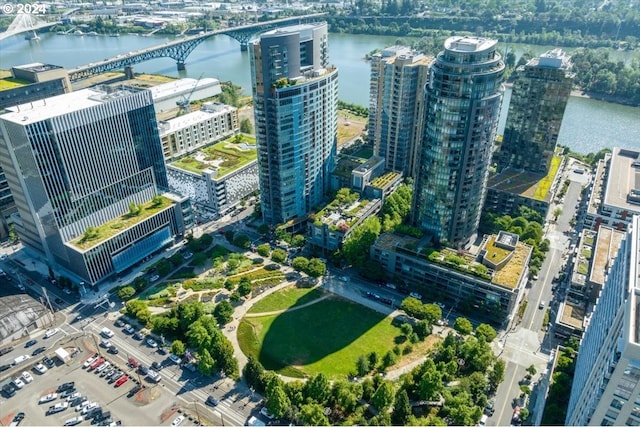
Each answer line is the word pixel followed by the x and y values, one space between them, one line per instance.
pixel 588 125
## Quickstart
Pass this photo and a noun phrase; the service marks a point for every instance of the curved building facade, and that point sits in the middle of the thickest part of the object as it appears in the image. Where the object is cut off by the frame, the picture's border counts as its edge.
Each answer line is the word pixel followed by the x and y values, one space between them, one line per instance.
pixel 295 93
pixel 462 106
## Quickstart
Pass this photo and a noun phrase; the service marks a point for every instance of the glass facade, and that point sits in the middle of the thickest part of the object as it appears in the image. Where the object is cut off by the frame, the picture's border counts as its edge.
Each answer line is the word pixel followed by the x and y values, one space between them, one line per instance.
pixel 295 106
pixel 462 106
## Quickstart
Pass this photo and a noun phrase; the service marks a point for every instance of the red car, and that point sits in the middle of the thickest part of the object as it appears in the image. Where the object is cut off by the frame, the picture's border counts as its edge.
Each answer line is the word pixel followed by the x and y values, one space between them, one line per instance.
pixel 95 364
pixel 121 381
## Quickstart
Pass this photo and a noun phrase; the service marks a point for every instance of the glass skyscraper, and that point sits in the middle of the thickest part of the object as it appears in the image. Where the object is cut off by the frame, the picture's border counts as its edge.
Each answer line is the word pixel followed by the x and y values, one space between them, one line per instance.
pixel 540 93
pixel 398 76
pixel 77 161
pixel 462 106
pixel 295 93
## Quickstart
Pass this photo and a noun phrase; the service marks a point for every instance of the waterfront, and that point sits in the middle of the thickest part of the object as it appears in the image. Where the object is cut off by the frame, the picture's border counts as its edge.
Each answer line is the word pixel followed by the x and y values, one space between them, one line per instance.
pixel 588 125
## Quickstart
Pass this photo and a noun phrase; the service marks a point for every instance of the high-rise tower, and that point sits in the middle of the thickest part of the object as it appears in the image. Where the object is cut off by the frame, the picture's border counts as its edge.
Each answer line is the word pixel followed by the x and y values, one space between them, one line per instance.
pixel 295 93
pixel 540 93
pixel 398 76
pixel 86 171
pixel 462 106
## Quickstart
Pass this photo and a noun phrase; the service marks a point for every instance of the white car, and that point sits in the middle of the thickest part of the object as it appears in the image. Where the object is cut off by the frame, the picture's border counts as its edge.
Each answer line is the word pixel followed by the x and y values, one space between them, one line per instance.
pixel 89 361
pixel 89 407
pixel 152 343
pixel 177 421
pixel 26 377
pixel 48 398
pixel 40 368
pixel 18 383
pixel 74 396
pixel 83 405
pixel 175 359
pixel 74 421
pixel 58 407
pixel 105 343
pixel 106 332
pixel 51 332
pixel 102 367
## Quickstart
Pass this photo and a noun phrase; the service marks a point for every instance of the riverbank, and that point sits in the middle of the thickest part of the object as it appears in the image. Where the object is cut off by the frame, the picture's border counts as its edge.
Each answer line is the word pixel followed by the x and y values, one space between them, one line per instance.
pixel 579 93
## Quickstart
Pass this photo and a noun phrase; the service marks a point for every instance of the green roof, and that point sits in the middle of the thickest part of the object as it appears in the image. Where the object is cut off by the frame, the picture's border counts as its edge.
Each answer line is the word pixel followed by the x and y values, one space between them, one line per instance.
pixel 109 229
pixel 527 184
pixel 226 156
pixel 11 83
pixel 384 180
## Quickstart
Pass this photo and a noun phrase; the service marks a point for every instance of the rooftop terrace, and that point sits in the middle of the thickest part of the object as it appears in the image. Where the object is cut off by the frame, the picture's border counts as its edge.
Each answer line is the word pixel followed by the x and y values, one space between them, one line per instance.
pixel 224 157
pixel 345 210
pixel 384 180
pixel 527 184
pixel 624 177
pixel 97 235
pixel 607 245
pixel 572 315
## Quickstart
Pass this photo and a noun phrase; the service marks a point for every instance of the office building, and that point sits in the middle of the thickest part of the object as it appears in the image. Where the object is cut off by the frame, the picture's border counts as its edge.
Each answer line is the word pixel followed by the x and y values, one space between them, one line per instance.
pixel 462 107
pixel 605 382
pixel 540 93
pixel 87 175
pixel 295 93
pixel 615 193
pixel 398 76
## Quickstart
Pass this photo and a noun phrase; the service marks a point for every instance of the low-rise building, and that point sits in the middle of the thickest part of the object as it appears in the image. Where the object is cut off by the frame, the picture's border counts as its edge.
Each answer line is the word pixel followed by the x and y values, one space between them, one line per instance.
pixel 166 96
pixel 191 131
pixel 383 185
pixel 218 176
pixel 488 282
pixel 330 226
pixel 511 188
pixel 615 195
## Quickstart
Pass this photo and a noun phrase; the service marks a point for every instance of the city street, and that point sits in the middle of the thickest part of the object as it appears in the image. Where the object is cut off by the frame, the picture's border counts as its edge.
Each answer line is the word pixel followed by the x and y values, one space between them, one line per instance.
pixel 527 343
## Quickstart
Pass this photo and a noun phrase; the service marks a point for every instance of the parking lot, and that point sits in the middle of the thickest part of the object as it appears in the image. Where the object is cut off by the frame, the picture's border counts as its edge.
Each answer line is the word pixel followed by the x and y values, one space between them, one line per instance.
pixel 159 407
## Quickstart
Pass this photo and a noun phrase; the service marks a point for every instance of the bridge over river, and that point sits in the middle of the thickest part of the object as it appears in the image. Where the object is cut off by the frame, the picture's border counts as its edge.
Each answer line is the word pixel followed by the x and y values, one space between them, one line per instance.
pixel 180 49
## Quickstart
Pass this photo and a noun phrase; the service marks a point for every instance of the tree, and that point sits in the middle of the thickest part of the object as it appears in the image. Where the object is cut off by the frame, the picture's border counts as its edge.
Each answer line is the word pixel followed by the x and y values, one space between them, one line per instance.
pixel 362 366
pixel 298 240
pixel 134 209
pixel 206 364
pixel 126 292
pixel 486 331
pixel 229 235
pixel 263 249
pixel 318 388
pixel 223 312
pixel 163 266
pixel 422 329
pixel 496 374
pixel 199 259
pixel 246 126
pixel 278 402
pixel 401 409
pixel 245 288
pixel 300 263
pixel 463 326
pixel 278 255
pixel 356 246
pixel 312 414
pixel 178 348
pixel 556 213
pixel 316 268
pixel 384 396
pixel 389 359
pixel 252 373
pixel 430 384
pixel 177 259
pixel 242 241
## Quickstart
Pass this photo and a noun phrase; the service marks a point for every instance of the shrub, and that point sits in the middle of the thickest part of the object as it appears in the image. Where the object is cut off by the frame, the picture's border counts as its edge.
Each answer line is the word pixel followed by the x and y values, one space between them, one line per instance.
pixel 278 255
pixel 126 292
pixel 264 249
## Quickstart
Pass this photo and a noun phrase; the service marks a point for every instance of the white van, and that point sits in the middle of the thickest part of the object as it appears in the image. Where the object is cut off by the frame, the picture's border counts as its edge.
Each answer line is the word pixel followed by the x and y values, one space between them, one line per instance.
pixel 253 421
pixel 18 360
pixel 106 332
pixel 483 421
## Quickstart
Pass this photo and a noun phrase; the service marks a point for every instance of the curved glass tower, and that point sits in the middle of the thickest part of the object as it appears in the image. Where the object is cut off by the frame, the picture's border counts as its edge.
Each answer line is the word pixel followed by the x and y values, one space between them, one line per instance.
pixel 462 107
pixel 295 93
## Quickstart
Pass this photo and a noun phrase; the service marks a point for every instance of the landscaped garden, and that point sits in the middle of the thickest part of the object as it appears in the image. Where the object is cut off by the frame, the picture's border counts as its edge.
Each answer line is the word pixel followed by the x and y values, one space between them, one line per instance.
pixel 326 337
pixel 225 156
pixel 286 298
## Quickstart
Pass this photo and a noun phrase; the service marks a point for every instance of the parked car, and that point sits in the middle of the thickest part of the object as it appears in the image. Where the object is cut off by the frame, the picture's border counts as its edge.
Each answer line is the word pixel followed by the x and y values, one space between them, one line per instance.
pixel 73 396
pixel 155 365
pixel 18 383
pixel 77 401
pixel 74 421
pixel 26 377
pixel 134 390
pixel 212 401
pixel 175 359
pixel 116 376
pixel 90 360
pixel 162 351
pixel 113 350
pixel 5 350
pixel 58 407
pixel 68 392
pixel 121 381
pixel 118 323
pixel 138 336
pixel 48 362
pixel 143 369
pixel 66 386
pixel 4 367
pixel 48 398
pixel 102 366
pixel 106 332
pixel 95 364
pixel 17 419
pixel 177 421
pixel 264 411
pixel 151 343
pixel 38 350
pixel 40 368
pixel 18 360
pixel 128 329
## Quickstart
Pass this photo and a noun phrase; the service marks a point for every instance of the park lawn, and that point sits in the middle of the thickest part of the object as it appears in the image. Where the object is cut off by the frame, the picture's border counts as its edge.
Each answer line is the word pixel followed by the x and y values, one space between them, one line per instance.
pixel 286 298
pixel 326 337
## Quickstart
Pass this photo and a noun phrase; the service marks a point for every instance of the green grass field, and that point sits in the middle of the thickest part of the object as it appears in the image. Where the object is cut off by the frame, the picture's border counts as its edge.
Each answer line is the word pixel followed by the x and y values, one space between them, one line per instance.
pixel 286 298
pixel 326 337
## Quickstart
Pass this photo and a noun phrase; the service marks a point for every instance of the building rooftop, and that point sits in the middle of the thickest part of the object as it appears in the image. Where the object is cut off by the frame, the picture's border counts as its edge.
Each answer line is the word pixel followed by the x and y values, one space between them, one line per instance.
pixel 305 30
pixel 404 54
pixel 572 315
pixel 555 58
pixel 385 180
pixel 509 275
pixel 38 67
pixel 346 165
pixel 109 229
pixel 185 121
pixel 468 44
pixel 608 242
pixel 597 189
pixel 623 184
pixel 222 158
pixel 55 106
pixel 527 184
pixel 344 211
pixel 181 86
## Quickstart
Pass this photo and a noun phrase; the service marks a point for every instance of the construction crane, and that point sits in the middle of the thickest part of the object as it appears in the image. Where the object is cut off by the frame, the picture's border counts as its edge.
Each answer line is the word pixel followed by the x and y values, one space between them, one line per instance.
pixel 185 102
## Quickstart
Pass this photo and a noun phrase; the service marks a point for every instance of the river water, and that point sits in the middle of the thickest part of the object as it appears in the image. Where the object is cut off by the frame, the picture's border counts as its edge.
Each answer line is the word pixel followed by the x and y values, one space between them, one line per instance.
pixel 588 125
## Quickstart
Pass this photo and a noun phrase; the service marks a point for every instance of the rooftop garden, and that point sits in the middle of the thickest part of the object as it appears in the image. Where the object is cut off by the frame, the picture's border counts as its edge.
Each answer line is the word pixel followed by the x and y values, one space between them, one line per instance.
pixel 384 180
pixel 542 189
pixel 457 261
pixel 345 203
pixel 495 254
pixel 137 213
pixel 11 83
pixel 225 156
pixel 510 273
